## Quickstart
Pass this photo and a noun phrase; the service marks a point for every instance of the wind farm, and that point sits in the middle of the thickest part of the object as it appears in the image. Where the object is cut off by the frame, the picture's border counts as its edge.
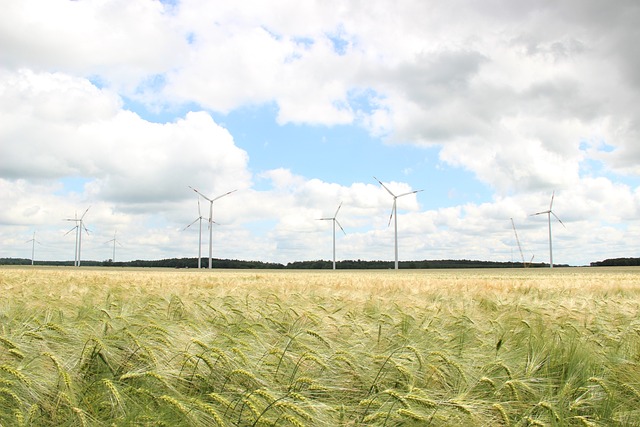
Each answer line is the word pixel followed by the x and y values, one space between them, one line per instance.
pixel 346 260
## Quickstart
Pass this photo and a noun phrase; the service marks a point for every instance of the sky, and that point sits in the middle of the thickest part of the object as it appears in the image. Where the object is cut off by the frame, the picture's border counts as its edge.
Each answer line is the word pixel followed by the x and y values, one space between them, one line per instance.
pixel 489 107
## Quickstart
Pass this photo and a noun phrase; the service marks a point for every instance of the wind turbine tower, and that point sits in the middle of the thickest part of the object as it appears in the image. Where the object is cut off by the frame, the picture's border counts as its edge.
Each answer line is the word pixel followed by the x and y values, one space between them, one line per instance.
pixel 211 220
pixel 78 227
pixel 114 240
pixel 33 246
pixel 550 212
pixel 394 215
pixel 199 219
pixel 335 221
pixel 75 256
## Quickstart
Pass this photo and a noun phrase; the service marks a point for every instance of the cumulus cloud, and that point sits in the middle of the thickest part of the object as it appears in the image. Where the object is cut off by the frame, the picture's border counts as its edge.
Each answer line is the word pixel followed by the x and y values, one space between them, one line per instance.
pixel 121 42
pixel 530 97
pixel 61 126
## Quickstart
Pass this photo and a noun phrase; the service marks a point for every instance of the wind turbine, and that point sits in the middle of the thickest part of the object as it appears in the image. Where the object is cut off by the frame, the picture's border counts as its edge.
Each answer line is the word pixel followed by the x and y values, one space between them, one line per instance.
pixel 513 224
pixel 199 234
pixel 211 220
pixel 335 221
pixel 33 246
pixel 113 259
pixel 78 227
pixel 394 215
pixel 550 212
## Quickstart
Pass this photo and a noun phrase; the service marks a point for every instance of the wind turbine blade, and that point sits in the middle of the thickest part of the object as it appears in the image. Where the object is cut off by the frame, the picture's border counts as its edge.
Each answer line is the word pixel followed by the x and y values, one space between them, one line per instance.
pixel 205 197
pixel 410 192
pixel 70 230
pixel 540 213
pixel 392 211
pixel 559 220
pixel 85 212
pixel 196 220
pixel 225 194
pixel 337 210
pixel 345 233
pixel 384 186
pixel 551 204
pixel 199 213
pixel 324 219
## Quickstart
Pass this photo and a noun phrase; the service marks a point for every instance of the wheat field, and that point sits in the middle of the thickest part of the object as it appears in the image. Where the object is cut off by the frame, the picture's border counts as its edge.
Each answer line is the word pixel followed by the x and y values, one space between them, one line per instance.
pixel 114 347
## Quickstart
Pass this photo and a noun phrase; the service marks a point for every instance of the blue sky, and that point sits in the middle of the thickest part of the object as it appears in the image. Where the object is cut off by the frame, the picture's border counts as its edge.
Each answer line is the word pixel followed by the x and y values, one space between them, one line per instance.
pixel 121 106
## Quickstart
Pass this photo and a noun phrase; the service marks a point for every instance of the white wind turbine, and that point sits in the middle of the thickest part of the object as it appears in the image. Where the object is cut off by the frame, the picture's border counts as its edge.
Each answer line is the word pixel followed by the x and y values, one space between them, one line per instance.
pixel 524 263
pixel 513 224
pixel 211 220
pixel 394 215
pixel 335 221
pixel 199 219
pixel 33 246
pixel 78 227
pixel 550 212
pixel 114 240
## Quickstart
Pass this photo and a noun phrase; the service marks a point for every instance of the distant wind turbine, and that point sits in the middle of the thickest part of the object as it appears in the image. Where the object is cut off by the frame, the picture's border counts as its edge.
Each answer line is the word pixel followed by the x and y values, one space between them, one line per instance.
pixel 114 240
pixel 211 220
pixel 550 212
pixel 335 221
pixel 199 219
pixel 513 224
pixel 394 215
pixel 78 228
pixel 33 246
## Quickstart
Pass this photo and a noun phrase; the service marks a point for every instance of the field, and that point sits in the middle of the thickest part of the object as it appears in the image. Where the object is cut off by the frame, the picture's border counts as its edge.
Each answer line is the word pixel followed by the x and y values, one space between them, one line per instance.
pixel 103 347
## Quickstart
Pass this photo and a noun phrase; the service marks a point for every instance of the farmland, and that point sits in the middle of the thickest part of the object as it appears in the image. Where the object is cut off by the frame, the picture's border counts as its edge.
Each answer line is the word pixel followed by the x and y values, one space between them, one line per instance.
pixel 346 348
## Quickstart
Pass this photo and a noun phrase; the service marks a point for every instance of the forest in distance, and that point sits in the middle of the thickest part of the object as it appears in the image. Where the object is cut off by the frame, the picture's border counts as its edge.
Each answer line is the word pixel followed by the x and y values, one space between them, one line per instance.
pixel 314 265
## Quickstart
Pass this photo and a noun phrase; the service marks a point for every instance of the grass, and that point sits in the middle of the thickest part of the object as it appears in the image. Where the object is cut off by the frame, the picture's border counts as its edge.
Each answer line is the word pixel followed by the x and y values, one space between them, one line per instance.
pixel 269 348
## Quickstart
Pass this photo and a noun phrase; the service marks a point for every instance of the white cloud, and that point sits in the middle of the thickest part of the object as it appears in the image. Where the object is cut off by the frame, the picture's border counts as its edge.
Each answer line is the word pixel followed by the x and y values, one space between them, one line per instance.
pixel 528 97
pixel 122 42
pixel 58 126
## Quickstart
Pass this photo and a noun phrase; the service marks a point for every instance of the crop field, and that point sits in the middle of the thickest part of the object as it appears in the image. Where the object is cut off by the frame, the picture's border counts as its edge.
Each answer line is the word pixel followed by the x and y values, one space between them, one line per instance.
pixel 114 347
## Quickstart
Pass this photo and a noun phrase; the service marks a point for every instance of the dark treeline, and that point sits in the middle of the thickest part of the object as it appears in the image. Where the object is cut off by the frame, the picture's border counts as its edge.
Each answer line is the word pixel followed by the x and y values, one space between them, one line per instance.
pixel 168 263
pixel 305 265
pixel 425 264
pixel 617 262
pixel 193 263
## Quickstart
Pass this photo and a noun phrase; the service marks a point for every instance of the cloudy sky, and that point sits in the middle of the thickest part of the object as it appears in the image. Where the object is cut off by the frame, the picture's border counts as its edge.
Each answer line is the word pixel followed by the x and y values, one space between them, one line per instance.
pixel 489 107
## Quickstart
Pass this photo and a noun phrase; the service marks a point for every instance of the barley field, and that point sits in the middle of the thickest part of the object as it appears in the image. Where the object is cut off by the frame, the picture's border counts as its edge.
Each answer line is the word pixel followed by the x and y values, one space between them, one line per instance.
pixel 114 347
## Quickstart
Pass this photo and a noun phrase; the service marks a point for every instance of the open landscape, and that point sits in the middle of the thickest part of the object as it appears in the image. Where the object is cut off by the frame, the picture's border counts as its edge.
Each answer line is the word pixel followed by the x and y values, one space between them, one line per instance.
pixel 492 347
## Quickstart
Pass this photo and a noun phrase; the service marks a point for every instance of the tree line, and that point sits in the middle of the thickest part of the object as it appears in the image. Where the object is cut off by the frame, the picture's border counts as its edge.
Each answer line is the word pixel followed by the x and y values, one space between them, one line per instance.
pixel 617 262
pixel 302 265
